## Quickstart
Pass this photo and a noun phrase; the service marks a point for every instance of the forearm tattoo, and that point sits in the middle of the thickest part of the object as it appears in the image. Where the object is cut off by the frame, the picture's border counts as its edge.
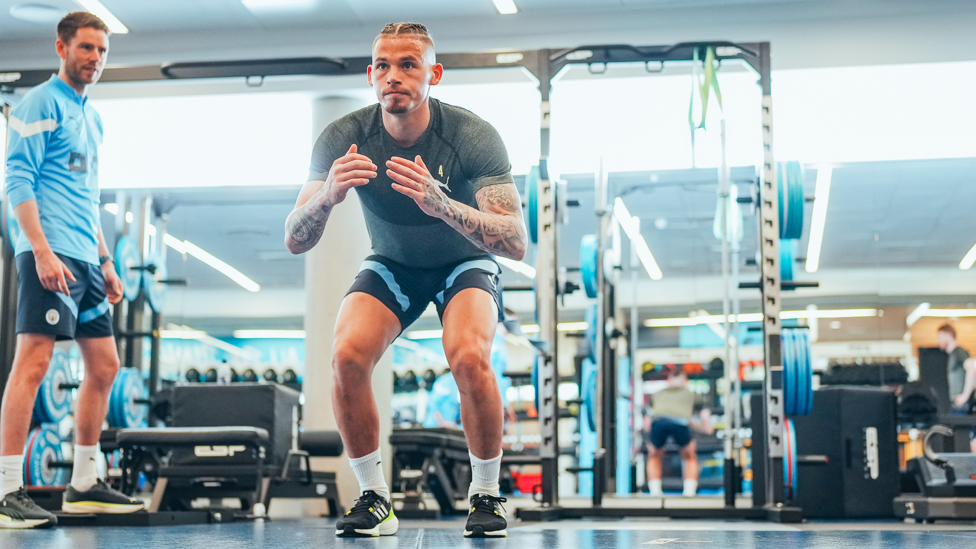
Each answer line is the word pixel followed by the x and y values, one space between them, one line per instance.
pixel 495 227
pixel 305 225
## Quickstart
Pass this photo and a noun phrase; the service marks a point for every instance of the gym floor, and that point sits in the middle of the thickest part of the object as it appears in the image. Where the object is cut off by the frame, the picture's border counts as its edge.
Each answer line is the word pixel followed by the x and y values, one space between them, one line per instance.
pixel 583 534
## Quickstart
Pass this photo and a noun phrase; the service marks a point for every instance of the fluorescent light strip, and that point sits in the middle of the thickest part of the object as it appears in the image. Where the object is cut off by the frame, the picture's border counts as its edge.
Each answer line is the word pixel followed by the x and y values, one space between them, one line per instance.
pixel 918 313
pixel 224 268
pixel 526 329
pixel 269 334
pixel 270 5
pixel 111 208
pixel 517 266
pixel 819 220
pixel 757 317
pixel 175 331
pixel 950 313
pixel 968 259
pixel 96 8
pixel 505 7
pixel 626 221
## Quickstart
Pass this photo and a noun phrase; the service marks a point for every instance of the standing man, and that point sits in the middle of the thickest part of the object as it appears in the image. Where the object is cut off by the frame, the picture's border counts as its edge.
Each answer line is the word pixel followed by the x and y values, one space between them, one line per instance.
pixel 66 277
pixel 673 408
pixel 961 376
pixel 442 204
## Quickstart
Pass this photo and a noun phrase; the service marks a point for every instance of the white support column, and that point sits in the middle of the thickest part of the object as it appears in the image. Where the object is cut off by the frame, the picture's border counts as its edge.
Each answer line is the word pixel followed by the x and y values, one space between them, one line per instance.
pixel 330 268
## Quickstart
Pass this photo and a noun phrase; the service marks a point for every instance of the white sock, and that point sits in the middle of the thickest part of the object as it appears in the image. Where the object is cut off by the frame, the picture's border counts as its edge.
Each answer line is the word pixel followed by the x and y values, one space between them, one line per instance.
pixel 690 487
pixel 11 474
pixel 369 473
pixel 84 473
pixel 656 486
pixel 484 476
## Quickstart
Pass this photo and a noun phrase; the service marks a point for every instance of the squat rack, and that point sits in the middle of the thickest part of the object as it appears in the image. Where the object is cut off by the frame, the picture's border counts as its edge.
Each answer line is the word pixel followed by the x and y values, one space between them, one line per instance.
pixel 544 65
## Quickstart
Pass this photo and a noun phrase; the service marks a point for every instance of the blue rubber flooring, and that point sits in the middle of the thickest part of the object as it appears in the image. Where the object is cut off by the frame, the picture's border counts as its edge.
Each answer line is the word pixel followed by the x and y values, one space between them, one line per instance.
pixel 297 534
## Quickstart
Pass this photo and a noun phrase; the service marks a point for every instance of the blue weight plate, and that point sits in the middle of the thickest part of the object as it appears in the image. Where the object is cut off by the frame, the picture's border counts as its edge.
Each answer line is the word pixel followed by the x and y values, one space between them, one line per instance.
pixel 589 397
pixel 588 259
pixel 532 193
pixel 592 318
pixel 535 381
pixel 155 289
pixel 807 363
pixel 789 373
pixel 43 447
pixel 124 411
pixel 786 259
pixel 54 403
pixel 127 261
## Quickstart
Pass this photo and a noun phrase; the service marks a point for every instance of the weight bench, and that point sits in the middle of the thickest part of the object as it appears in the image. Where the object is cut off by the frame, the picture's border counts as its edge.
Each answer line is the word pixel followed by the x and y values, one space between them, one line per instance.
pixel 239 470
pixel 435 461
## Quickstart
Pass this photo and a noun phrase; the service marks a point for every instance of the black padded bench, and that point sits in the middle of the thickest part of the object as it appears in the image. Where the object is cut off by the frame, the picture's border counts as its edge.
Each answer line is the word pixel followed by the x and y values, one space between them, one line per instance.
pixel 225 462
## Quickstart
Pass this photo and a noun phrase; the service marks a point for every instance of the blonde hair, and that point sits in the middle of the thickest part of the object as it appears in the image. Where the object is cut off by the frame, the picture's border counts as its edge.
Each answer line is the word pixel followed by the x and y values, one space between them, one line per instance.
pixel 406 29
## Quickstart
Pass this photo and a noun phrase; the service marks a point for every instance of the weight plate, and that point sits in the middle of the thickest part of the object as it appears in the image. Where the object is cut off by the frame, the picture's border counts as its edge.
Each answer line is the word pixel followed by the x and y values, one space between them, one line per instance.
pixel 791 199
pixel 806 372
pixel 786 259
pixel 127 263
pixel 789 374
pixel 789 460
pixel 43 447
pixel 588 259
pixel 152 281
pixel 589 394
pixel 532 192
pixel 592 325
pixel 53 403
pixel 124 412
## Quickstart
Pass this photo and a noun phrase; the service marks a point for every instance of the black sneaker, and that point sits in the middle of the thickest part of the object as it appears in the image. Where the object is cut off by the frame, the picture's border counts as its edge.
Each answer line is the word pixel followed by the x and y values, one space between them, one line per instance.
pixel 486 519
pixel 371 516
pixel 100 499
pixel 17 510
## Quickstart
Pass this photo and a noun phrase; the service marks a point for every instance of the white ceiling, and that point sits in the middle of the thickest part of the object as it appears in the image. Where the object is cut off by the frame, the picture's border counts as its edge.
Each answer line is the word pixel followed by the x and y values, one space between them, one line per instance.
pixel 804 33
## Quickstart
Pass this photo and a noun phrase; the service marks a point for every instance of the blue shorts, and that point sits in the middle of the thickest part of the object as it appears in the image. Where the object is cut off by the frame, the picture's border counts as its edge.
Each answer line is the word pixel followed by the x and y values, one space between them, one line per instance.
pixel 406 291
pixel 84 314
pixel 662 429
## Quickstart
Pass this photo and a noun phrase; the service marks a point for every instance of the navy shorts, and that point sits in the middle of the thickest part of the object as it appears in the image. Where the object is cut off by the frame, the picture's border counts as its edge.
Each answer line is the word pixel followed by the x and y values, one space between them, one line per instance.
pixel 662 429
pixel 407 290
pixel 85 314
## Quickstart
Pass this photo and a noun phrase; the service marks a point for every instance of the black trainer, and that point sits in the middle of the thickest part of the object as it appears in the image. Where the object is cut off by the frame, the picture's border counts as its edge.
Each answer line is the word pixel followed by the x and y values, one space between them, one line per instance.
pixel 486 519
pixel 371 516
pixel 17 510
pixel 100 499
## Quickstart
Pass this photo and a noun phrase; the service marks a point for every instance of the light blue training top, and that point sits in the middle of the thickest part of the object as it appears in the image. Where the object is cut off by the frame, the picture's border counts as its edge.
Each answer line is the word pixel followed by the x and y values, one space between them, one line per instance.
pixel 52 157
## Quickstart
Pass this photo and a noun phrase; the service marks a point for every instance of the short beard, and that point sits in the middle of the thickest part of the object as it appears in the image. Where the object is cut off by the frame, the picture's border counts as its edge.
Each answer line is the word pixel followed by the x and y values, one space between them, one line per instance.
pixel 396 107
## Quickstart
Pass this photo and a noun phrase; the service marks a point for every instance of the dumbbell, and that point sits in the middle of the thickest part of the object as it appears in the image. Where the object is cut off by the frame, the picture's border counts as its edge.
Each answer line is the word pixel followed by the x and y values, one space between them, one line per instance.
pixel 193 375
pixel 270 376
pixel 234 376
pixel 210 376
pixel 289 376
pixel 250 376
pixel 429 377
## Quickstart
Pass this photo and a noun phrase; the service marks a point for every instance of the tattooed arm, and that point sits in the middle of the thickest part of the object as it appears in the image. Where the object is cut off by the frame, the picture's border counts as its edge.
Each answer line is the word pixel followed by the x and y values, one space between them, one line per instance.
pixel 496 226
pixel 305 224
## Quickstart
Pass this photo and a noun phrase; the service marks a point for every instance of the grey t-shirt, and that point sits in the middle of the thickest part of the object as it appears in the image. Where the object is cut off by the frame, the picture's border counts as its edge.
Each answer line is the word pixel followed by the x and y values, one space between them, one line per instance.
pixel 461 150
pixel 956 371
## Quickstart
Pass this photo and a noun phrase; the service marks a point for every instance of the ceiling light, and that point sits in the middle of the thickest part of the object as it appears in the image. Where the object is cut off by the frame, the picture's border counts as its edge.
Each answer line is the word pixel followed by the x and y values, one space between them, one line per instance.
pixel 505 7
pixel 968 259
pixel 111 208
pixel 96 8
pixel 530 328
pixel 918 313
pixel 819 220
pixel 950 313
pixel 269 334
pixel 517 266
pixel 177 331
pixel 630 225
pixel 39 14
pixel 757 317
pixel 224 268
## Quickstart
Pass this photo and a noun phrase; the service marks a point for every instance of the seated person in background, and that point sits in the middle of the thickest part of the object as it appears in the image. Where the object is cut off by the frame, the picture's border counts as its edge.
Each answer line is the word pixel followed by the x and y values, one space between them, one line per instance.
pixel 444 402
pixel 672 415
